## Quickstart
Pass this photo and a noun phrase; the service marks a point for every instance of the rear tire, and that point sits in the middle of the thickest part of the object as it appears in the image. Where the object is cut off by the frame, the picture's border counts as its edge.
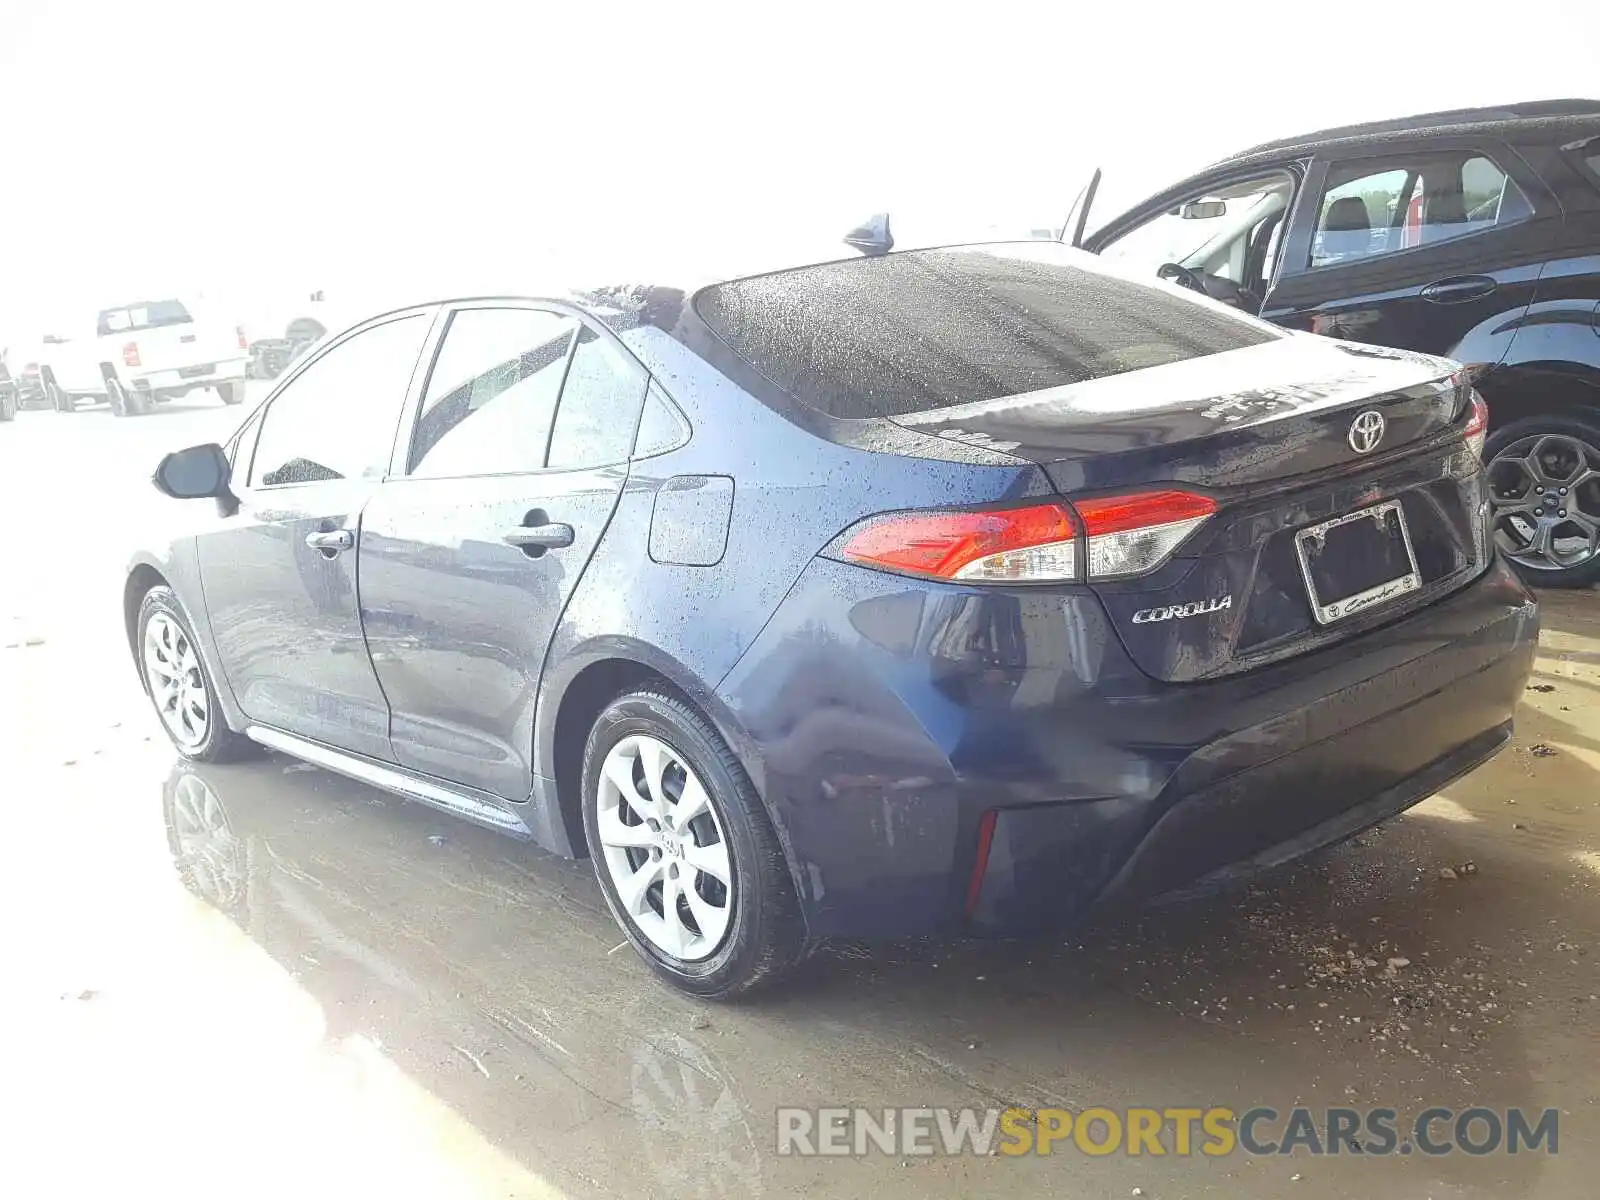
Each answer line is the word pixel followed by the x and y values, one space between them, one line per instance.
pixel 1553 446
pixel 61 401
pixel 232 392
pixel 759 932
pixel 8 406
pixel 178 684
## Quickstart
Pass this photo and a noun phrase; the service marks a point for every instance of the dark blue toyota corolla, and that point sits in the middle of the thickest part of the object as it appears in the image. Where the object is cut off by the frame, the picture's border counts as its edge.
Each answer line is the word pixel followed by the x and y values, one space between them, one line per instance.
pixel 958 589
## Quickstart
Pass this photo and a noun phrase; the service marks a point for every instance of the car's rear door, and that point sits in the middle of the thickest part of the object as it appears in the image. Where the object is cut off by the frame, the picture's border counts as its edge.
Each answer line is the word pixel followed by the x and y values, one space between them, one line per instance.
pixel 513 466
pixel 279 573
pixel 1433 245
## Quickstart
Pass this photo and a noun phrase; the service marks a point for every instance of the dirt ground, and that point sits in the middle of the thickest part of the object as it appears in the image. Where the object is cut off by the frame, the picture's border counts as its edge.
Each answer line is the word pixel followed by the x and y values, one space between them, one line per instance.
pixel 336 992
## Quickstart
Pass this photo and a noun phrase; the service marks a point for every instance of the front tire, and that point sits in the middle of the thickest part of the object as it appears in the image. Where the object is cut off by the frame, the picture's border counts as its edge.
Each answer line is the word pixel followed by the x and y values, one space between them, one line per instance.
pixel 178 684
pixel 1544 484
pixel 684 851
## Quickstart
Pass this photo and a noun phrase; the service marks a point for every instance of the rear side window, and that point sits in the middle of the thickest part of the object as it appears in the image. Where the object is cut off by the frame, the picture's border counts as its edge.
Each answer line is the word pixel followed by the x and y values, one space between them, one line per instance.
pixel 913 332
pixel 133 317
pixel 492 393
pixel 1378 207
pixel 1587 157
pixel 599 405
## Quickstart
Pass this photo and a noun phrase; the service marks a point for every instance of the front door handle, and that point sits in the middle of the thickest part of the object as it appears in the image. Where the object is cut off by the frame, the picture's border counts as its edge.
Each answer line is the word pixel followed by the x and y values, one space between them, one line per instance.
pixel 331 541
pixel 1459 289
pixel 552 536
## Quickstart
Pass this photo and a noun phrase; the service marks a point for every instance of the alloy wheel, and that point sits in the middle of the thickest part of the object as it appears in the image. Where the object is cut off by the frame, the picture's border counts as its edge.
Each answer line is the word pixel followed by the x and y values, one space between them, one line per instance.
pixel 1545 490
pixel 172 668
pixel 664 848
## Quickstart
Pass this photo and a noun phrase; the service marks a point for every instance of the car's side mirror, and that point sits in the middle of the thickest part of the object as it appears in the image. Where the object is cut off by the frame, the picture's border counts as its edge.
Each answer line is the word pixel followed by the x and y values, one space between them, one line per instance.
pixel 1203 210
pixel 194 474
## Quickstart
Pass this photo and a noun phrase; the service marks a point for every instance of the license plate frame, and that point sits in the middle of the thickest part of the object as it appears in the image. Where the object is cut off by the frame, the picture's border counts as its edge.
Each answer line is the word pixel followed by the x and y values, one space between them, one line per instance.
pixel 196 371
pixel 1330 611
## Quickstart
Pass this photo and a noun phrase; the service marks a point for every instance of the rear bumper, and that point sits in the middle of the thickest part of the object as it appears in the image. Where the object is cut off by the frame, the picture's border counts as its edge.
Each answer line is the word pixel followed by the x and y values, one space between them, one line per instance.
pixel 177 381
pixel 1106 787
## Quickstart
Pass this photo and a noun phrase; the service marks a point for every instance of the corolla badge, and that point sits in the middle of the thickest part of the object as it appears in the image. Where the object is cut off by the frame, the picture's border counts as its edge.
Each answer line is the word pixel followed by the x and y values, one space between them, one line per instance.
pixel 1173 612
pixel 1366 431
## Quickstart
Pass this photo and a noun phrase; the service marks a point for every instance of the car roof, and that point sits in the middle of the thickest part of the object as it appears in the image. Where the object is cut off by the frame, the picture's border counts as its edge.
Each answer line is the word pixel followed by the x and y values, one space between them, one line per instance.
pixel 1546 120
pixel 623 298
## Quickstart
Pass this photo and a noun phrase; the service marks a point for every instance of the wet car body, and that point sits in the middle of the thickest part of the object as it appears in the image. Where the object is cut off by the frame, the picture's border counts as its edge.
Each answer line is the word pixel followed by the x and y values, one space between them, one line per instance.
pixel 933 753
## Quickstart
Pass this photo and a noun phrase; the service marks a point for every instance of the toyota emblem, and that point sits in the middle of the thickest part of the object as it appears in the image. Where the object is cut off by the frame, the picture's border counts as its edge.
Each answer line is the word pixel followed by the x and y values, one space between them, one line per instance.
pixel 1366 431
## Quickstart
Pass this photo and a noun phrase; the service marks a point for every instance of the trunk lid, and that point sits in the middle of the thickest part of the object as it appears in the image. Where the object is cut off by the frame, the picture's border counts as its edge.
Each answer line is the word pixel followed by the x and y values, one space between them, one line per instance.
pixel 1269 433
pixel 1251 416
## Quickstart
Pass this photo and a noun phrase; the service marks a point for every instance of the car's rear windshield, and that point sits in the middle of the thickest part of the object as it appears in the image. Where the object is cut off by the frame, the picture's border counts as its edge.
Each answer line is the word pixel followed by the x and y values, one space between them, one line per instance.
pixel 151 315
pixel 912 332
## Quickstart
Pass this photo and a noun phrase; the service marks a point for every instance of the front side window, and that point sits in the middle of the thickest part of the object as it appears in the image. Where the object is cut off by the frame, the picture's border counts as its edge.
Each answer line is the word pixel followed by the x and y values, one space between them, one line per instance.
pixel 599 405
pixel 1200 232
pixel 336 419
pixel 492 393
pixel 1373 208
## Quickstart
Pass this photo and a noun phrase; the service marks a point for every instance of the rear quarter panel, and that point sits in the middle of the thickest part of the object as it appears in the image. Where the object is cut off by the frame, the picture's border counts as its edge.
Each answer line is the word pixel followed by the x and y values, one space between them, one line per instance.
pixel 792 492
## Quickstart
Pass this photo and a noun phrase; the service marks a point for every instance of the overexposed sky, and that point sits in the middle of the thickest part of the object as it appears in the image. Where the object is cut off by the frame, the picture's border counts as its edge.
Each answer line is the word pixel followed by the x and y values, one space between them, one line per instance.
pixel 266 147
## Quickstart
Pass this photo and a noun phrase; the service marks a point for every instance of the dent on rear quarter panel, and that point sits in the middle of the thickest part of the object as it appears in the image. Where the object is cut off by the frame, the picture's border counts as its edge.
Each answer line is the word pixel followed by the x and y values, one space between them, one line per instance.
pixel 791 493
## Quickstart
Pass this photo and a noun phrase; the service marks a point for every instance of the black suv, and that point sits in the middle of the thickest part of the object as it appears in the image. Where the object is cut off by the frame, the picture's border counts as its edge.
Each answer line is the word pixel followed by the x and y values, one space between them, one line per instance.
pixel 1473 234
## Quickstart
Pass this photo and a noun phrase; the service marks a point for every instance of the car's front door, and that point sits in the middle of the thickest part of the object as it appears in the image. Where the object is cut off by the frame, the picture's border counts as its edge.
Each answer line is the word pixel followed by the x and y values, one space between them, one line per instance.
pixel 1417 247
pixel 1217 233
pixel 280 573
pixel 469 553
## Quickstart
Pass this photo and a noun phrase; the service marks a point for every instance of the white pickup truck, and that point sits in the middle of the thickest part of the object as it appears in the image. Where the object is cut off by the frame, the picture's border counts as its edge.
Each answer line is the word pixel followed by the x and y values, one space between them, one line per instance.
pixel 145 352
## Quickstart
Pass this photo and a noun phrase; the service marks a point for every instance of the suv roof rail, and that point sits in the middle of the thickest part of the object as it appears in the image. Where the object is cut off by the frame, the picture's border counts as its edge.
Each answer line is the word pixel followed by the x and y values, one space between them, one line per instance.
pixel 1530 110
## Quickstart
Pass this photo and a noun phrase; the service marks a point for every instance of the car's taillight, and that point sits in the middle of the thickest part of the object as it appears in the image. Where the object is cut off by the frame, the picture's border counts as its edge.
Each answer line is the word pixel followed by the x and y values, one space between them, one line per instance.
pixel 130 354
pixel 1021 545
pixel 1123 535
pixel 1477 429
pixel 244 343
pixel 1130 535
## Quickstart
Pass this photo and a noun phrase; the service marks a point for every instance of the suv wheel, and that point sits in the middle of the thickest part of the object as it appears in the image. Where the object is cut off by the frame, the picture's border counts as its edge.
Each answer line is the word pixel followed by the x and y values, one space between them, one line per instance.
pixel 1544 482
pixel 684 851
pixel 179 687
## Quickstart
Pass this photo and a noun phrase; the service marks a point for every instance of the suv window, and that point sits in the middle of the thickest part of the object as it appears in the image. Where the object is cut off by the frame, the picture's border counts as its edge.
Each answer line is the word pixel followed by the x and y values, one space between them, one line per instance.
pixel 599 405
pixel 492 393
pixel 1372 208
pixel 927 329
pixel 1587 156
pixel 336 419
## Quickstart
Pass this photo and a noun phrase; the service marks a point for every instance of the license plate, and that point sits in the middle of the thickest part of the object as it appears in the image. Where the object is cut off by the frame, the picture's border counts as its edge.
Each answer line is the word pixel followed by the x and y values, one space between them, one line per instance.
pixel 1357 561
pixel 202 369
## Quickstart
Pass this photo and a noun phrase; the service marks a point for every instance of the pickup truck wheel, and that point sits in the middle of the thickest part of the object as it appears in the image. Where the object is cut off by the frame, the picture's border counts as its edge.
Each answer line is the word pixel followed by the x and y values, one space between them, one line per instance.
pixel 8 406
pixel 125 403
pixel 231 393
pixel 60 400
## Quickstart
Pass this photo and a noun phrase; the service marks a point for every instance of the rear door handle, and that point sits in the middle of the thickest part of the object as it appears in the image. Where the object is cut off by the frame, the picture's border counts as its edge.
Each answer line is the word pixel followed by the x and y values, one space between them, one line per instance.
pixel 331 541
pixel 1458 289
pixel 553 536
